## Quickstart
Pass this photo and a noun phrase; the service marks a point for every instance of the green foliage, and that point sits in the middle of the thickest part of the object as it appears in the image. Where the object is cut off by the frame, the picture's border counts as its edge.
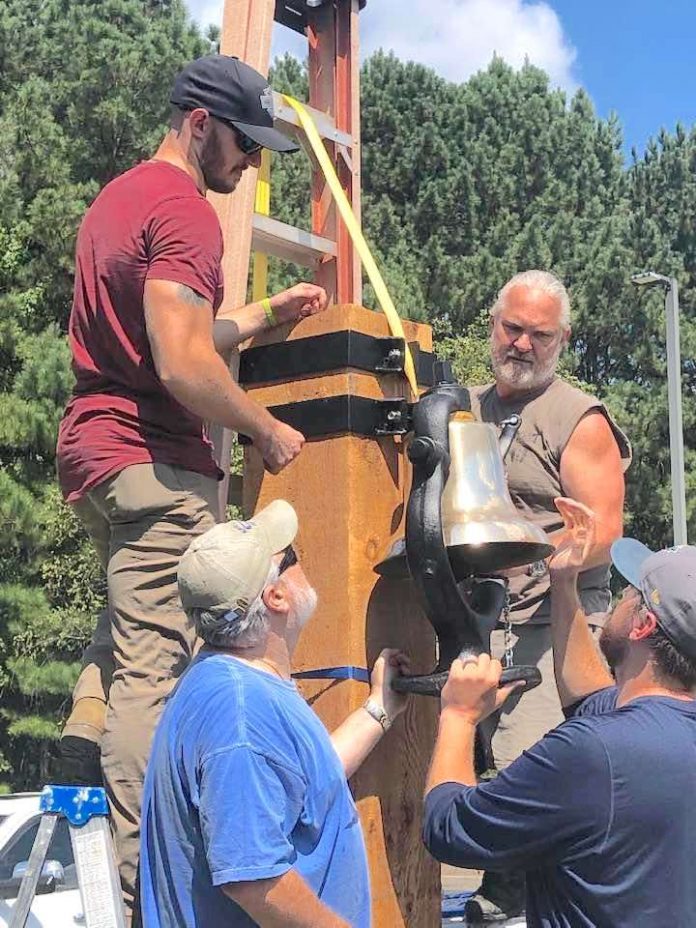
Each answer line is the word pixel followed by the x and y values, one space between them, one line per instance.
pixel 468 353
pixel 54 678
pixel 463 185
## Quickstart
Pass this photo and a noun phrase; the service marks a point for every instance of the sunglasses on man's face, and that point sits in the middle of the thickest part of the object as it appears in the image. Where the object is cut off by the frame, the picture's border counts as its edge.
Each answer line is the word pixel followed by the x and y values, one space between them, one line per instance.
pixel 289 559
pixel 246 145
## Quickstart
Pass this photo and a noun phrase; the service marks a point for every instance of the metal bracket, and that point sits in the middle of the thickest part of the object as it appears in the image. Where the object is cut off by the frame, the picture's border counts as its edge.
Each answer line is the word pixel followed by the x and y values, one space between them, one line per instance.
pixel 320 354
pixel 345 415
pixel 293 13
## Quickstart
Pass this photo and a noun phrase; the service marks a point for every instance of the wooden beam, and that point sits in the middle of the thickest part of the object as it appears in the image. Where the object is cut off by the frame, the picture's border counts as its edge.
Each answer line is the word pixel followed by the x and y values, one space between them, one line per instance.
pixel 350 494
pixel 334 88
pixel 247 26
pixel 348 115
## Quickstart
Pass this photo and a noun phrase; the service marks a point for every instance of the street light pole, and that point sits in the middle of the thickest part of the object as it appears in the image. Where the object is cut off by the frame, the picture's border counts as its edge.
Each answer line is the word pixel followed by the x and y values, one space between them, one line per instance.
pixel 676 429
pixel 674 397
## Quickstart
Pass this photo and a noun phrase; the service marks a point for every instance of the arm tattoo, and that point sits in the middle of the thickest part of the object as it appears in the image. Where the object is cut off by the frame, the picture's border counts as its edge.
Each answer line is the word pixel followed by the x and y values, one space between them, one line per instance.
pixel 187 295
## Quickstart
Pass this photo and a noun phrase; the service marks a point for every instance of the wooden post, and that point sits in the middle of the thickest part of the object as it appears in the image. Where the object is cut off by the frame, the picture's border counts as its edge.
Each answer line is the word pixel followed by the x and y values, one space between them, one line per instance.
pixel 350 495
pixel 334 88
pixel 247 27
pixel 349 492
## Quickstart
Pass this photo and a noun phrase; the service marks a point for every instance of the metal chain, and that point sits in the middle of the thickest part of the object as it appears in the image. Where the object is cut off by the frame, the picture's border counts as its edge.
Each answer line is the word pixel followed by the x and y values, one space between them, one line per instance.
pixel 507 630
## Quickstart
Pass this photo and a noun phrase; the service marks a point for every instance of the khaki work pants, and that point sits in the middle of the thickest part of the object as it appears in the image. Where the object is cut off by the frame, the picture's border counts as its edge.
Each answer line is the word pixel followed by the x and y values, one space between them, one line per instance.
pixel 525 719
pixel 142 520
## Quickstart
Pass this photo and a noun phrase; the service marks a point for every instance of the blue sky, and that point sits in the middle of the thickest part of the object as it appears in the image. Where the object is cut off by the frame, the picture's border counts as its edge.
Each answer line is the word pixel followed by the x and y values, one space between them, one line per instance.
pixel 637 57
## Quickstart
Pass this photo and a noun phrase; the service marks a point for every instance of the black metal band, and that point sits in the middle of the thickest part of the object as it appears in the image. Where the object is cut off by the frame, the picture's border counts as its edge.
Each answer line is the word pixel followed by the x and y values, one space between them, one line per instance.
pixel 344 415
pixel 334 351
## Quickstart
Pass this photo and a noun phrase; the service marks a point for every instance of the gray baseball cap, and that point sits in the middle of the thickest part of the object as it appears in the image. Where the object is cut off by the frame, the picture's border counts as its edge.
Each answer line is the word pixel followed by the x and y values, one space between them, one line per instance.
pixel 667 582
pixel 227 567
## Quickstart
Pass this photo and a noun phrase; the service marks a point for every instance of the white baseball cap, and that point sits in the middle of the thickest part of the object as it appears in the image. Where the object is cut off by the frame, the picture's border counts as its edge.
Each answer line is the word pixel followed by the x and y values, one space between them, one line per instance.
pixel 226 568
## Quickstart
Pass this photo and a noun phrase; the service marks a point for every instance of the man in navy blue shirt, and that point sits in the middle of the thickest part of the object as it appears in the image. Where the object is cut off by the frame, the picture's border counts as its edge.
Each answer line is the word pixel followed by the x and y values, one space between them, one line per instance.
pixel 247 815
pixel 600 813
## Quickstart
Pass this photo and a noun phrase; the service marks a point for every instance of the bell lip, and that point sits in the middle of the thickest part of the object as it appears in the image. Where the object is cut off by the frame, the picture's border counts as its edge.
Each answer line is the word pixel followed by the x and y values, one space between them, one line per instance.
pixel 495 560
pixel 487 530
pixel 395 566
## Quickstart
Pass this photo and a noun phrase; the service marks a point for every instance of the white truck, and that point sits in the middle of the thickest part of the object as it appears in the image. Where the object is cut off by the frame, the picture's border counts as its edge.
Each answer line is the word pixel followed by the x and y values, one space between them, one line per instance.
pixel 57 903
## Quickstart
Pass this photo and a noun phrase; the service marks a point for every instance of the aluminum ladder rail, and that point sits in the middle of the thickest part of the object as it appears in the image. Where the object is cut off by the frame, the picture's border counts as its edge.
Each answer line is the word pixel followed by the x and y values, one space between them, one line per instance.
pixel 87 812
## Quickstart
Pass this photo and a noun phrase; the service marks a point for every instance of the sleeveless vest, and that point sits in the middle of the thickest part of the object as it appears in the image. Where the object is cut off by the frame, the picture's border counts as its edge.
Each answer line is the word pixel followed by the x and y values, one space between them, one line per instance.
pixel 533 464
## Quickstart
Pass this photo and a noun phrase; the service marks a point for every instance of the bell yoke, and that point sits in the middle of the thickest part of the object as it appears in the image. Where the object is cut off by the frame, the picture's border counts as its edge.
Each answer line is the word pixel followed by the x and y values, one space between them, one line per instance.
pixel 461 527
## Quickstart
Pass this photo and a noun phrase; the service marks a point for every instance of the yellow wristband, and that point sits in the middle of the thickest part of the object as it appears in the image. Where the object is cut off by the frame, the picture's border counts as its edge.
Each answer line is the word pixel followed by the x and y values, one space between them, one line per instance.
pixel 268 310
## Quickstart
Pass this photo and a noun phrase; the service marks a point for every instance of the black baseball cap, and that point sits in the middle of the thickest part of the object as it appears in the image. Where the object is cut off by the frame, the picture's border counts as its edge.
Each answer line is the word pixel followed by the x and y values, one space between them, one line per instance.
pixel 667 582
pixel 231 90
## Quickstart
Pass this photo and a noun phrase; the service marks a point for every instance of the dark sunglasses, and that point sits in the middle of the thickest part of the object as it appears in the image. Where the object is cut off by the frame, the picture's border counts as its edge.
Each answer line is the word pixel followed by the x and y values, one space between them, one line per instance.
pixel 289 560
pixel 246 145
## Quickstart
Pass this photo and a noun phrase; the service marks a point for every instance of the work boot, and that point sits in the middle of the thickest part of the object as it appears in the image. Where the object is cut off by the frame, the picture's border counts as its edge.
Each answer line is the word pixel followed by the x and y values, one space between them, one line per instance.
pixel 501 896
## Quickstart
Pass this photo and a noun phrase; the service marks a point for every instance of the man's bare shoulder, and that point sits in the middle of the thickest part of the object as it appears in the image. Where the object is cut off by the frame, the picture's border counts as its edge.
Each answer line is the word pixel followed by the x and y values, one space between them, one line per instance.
pixel 593 432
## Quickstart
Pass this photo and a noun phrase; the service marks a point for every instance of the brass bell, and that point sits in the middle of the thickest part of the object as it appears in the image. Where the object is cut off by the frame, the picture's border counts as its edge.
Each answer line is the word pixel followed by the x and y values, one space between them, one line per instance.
pixel 461 524
pixel 483 532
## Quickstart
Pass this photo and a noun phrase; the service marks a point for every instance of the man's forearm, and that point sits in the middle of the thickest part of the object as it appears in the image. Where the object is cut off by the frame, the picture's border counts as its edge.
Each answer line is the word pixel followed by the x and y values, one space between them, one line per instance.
pixel 234 326
pixel 453 756
pixel 578 667
pixel 355 738
pixel 205 387
pixel 283 902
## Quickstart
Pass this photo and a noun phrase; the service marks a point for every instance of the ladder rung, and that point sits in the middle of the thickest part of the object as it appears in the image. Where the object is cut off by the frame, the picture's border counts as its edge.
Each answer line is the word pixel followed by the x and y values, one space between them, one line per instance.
pixel 286 119
pixel 271 237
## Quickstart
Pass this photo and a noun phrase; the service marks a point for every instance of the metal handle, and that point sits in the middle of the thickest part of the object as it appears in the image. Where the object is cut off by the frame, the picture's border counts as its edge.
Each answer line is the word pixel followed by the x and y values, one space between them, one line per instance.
pixel 431 684
pixel 508 430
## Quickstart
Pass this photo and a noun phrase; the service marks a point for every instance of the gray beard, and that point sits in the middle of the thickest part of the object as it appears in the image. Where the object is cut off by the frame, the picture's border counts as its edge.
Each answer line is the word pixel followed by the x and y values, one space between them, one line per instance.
pixel 305 604
pixel 523 376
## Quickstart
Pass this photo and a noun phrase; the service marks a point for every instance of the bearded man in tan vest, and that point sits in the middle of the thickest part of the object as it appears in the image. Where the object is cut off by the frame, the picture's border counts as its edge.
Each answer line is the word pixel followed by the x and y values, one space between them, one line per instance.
pixel 567 445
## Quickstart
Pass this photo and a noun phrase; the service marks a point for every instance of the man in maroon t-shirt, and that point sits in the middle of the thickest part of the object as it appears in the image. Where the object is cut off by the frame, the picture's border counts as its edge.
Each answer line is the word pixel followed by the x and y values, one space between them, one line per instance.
pixel 133 457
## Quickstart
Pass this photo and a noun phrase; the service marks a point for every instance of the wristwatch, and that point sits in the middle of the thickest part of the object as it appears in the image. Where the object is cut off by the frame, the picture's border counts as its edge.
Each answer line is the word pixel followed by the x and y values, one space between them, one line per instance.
pixel 378 713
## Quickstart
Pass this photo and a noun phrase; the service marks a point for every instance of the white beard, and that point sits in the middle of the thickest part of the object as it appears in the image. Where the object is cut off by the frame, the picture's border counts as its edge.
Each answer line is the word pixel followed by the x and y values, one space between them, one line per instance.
pixel 304 604
pixel 523 376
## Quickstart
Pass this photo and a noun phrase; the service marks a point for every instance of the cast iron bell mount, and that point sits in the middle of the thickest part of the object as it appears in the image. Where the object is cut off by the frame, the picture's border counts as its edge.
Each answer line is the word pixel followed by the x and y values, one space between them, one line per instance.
pixel 461 525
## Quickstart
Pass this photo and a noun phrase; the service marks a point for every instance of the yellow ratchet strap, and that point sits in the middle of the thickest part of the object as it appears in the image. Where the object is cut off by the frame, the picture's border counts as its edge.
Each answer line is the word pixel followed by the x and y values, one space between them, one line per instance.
pixel 262 204
pixel 355 232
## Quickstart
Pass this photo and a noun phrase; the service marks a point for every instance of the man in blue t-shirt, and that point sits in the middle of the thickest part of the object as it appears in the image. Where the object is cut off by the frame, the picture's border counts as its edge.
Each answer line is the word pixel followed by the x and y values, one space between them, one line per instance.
pixel 247 815
pixel 600 813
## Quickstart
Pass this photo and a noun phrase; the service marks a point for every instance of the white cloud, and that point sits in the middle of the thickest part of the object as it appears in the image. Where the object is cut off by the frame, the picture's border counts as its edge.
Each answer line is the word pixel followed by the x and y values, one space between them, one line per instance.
pixel 454 37
pixel 206 12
